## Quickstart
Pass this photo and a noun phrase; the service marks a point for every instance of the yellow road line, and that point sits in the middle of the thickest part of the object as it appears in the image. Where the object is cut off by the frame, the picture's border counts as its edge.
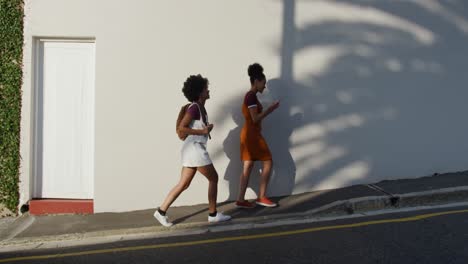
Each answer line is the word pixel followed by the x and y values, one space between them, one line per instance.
pixel 236 238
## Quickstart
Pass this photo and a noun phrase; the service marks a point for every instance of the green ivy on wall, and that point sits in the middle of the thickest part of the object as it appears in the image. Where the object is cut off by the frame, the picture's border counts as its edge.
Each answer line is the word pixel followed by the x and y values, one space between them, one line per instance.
pixel 11 54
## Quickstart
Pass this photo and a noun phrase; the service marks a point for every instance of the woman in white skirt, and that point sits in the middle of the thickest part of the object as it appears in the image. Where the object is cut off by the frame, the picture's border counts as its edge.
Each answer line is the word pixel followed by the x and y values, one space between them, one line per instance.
pixel 194 154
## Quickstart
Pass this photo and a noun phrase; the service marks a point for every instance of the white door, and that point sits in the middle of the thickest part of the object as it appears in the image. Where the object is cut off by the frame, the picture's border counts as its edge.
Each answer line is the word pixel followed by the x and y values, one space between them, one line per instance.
pixel 65 149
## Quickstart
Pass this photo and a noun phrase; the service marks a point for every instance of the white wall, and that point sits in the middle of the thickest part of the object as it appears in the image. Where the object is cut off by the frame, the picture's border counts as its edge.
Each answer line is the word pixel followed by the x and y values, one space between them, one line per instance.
pixel 370 90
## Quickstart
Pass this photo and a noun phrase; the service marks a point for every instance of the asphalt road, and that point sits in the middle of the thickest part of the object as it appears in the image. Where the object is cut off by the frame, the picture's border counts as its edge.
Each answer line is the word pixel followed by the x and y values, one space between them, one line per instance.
pixel 429 236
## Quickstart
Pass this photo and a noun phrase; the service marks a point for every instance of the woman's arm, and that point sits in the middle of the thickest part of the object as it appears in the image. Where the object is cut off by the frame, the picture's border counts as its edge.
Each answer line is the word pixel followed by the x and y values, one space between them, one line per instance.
pixel 185 123
pixel 257 117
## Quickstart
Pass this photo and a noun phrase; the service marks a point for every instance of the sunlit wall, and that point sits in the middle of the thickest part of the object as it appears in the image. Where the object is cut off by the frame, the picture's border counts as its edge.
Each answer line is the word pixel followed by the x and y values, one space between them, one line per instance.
pixel 369 90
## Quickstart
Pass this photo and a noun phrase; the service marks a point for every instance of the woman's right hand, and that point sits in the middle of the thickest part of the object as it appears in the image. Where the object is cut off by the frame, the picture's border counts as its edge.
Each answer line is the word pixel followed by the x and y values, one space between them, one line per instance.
pixel 207 129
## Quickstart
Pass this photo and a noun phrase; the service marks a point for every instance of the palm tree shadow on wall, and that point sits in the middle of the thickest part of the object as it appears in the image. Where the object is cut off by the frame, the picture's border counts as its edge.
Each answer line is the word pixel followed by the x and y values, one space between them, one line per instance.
pixel 384 79
pixel 381 98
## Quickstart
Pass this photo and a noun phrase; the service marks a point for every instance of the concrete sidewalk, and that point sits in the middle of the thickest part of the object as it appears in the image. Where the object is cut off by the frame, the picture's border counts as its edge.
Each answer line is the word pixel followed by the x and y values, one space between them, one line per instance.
pixel 28 232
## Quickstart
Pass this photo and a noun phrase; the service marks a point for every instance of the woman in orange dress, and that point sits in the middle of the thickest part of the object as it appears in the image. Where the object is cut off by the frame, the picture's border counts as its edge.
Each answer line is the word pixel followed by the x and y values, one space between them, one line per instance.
pixel 252 144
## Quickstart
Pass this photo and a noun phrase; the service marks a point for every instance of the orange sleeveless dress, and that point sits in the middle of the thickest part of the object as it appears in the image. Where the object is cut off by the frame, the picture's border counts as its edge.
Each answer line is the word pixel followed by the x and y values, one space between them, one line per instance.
pixel 252 144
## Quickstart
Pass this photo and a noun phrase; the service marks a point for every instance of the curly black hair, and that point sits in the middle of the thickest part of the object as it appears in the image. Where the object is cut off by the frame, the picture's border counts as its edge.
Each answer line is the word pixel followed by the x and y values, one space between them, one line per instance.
pixel 255 72
pixel 194 86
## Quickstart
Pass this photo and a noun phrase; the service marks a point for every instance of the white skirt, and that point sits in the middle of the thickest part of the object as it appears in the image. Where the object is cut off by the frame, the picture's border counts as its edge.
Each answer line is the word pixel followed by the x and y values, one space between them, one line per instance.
pixel 194 154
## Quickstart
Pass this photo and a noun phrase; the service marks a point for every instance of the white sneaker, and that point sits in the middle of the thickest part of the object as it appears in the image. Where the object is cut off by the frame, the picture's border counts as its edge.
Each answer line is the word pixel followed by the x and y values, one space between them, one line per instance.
pixel 163 219
pixel 220 217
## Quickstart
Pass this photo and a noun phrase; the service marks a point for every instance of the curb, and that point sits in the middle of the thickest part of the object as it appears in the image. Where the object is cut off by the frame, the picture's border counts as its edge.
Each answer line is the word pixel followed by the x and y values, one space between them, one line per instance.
pixel 19 225
pixel 356 207
pixel 370 203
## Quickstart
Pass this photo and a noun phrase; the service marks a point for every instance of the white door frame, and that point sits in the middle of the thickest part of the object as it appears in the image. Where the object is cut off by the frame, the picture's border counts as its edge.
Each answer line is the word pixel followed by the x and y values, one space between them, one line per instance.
pixel 37 107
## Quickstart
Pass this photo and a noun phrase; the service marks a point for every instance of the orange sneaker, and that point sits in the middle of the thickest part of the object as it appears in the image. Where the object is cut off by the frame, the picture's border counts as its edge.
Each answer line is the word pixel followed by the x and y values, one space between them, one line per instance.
pixel 266 202
pixel 245 204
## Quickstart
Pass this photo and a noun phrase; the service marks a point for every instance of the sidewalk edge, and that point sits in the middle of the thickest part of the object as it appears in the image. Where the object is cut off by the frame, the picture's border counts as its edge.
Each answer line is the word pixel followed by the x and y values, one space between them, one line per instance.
pixel 343 208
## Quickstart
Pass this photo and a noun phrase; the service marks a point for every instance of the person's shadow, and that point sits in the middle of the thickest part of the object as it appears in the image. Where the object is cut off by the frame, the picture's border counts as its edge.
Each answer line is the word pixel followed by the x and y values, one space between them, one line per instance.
pixel 231 146
pixel 277 130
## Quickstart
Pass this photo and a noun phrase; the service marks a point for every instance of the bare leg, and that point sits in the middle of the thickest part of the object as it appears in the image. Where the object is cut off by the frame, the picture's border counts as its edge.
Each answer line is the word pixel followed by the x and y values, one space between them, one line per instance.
pixel 185 180
pixel 244 179
pixel 210 173
pixel 265 177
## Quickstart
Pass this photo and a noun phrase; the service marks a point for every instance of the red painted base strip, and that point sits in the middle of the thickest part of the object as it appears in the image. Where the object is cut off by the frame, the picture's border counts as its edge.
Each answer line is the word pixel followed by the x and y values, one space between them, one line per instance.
pixel 60 206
